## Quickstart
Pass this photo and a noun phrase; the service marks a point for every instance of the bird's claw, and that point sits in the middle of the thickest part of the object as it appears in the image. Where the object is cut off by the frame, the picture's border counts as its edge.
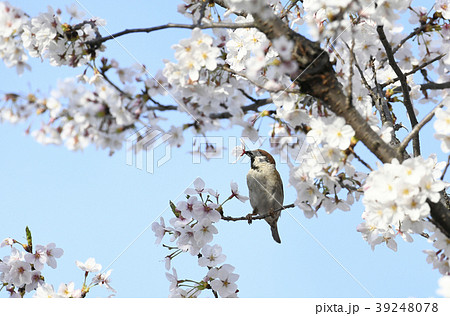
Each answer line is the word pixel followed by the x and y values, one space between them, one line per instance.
pixel 249 218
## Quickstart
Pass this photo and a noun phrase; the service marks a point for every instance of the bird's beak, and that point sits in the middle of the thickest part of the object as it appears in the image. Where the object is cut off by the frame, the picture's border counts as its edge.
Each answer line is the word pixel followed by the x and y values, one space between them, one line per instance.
pixel 248 153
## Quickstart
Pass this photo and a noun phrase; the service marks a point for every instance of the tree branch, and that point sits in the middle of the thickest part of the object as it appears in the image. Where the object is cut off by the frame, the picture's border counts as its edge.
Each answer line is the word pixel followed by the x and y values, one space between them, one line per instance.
pixel 416 69
pixel 224 115
pixel 405 88
pixel 161 107
pixel 251 107
pixel 446 167
pixel 435 86
pixel 289 8
pixel 416 31
pixel 417 128
pixel 234 72
pixel 440 214
pixel 202 13
pixel 101 40
pixel 252 217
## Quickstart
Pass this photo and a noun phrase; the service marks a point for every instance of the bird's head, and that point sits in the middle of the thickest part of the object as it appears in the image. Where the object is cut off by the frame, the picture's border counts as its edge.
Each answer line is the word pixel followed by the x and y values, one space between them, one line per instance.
pixel 260 158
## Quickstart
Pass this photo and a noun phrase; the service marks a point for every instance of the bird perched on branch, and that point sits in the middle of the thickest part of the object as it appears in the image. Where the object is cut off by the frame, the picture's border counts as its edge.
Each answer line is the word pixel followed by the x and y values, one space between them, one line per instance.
pixel 265 188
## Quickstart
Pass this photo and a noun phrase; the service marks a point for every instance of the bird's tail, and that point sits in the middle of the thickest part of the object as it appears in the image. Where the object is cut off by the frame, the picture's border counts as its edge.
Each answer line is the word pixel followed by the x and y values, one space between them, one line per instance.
pixel 275 235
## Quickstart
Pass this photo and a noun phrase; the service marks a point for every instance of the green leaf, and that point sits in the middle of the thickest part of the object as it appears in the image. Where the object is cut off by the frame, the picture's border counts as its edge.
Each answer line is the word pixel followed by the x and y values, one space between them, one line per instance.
pixel 174 209
pixel 29 239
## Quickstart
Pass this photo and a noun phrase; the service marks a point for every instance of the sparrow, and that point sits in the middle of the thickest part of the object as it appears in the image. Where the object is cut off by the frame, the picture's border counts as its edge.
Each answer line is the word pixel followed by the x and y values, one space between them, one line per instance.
pixel 265 188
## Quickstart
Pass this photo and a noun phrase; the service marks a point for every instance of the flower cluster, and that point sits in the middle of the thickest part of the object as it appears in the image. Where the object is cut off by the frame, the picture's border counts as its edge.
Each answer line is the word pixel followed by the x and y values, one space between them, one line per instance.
pixel 68 290
pixel 331 131
pixel 193 229
pixel 21 271
pixel 326 20
pixel 443 7
pixel 11 26
pixel 325 178
pixel 78 115
pixel 395 199
pixel 246 5
pixel 320 163
pixel 444 286
pixel 442 126
pixel 193 54
pixel 440 258
pixel 196 77
pixel 244 43
pixel 45 36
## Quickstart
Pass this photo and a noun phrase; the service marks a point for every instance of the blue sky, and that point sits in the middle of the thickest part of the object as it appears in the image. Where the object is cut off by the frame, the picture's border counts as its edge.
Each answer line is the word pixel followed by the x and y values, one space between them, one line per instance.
pixel 93 205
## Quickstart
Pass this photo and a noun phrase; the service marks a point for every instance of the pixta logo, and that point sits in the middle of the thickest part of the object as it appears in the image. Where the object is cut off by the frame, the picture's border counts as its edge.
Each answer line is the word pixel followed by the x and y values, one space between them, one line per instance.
pixel 142 145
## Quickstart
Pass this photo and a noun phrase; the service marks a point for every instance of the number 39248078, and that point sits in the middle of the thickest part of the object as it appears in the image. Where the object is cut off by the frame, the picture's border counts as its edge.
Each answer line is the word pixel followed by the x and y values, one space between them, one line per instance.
pixel 406 307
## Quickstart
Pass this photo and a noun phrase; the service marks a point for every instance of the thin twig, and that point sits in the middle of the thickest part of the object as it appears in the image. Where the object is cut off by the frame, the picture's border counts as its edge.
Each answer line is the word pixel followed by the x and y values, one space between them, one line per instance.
pixel 228 69
pixel 202 13
pixel 246 108
pixel 247 95
pixel 416 69
pixel 289 8
pixel 350 80
pixel 160 107
pixel 416 31
pixel 349 187
pixel 435 86
pixel 418 127
pixel 361 74
pixel 224 115
pixel 361 160
pixel 405 88
pixel 103 73
pixel 255 217
pixel 446 167
pixel 222 4
pixel 383 109
pixel 101 40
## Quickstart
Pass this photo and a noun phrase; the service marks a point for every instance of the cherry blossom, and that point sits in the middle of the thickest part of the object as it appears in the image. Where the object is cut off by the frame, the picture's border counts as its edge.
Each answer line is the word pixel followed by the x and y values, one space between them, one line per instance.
pixel 45 291
pixel 69 291
pixel 442 126
pixel 22 272
pixel 103 279
pixel 395 198
pixel 12 21
pixel 224 281
pixel 199 187
pixel 211 256
pixel 38 258
pixel 443 6
pixel 444 286
pixel 89 266
pixel 235 192
pixel 51 252
pixel 193 233
pixel 7 242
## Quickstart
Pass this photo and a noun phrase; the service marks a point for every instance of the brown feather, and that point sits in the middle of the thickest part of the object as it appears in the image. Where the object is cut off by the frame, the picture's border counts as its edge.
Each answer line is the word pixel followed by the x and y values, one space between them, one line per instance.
pixel 269 156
